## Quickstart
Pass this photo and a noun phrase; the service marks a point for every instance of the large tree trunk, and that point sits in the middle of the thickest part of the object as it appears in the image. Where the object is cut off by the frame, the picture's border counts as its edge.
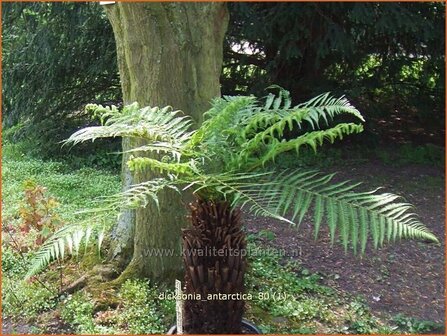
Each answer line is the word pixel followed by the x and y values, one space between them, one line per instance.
pixel 214 258
pixel 168 54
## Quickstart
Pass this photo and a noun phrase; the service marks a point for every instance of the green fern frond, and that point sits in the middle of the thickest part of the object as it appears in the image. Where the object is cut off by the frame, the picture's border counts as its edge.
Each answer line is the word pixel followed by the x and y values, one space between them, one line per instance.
pixel 368 211
pixel 172 149
pixel 274 121
pixel 244 134
pixel 282 101
pixel 354 215
pixel 259 117
pixel 225 114
pixel 139 195
pixel 325 104
pixel 240 191
pixel 275 147
pixel 67 240
pixel 150 123
pixel 143 163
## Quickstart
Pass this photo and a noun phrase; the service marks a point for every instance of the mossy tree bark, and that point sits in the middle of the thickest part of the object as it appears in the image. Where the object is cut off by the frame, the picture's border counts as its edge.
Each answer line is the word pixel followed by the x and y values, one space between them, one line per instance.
pixel 168 54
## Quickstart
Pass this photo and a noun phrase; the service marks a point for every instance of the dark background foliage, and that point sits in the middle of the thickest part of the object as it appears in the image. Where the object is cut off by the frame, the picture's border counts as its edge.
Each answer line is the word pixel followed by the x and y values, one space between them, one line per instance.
pixel 56 57
pixel 388 58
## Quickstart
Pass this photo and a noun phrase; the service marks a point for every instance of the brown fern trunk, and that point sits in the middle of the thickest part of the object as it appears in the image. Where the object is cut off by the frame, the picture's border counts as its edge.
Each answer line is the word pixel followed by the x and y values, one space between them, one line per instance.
pixel 214 264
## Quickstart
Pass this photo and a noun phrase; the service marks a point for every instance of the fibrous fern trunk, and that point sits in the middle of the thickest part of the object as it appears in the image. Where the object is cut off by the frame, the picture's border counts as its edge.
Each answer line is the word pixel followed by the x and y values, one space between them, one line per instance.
pixel 214 259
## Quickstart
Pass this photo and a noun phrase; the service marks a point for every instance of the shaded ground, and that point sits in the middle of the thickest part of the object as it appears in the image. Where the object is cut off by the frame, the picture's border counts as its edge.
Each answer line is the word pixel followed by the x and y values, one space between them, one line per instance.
pixel 402 126
pixel 8 327
pixel 407 277
pixel 55 326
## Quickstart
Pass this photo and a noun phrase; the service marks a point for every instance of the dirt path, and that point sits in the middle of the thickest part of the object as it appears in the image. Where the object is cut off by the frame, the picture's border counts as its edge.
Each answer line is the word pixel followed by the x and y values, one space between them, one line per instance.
pixel 407 277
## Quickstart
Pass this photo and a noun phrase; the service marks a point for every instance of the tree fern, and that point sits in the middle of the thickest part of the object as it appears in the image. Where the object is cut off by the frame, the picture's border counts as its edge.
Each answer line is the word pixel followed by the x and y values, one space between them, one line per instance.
pixel 226 159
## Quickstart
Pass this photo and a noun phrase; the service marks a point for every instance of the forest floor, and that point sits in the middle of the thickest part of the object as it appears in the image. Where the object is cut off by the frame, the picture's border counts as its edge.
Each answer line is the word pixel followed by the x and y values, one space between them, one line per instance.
pixel 407 277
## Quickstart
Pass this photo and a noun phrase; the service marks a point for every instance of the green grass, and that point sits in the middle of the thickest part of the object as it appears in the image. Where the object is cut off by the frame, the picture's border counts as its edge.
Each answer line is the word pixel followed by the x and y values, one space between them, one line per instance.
pixel 74 189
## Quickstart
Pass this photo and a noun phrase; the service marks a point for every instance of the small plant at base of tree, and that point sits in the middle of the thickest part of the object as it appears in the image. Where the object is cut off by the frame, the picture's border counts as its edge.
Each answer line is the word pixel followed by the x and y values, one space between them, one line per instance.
pixel 38 218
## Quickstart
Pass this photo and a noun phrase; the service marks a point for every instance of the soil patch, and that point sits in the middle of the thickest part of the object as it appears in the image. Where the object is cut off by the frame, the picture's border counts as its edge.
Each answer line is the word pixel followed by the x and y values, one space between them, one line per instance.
pixel 406 277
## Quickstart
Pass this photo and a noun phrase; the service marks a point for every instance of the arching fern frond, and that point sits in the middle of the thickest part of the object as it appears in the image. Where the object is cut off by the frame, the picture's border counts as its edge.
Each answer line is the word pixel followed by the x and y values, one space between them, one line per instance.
pixel 66 241
pixel 139 195
pixel 171 149
pixel 274 121
pixel 143 163
pixel 243 133
pixel 237 188
pixel 150 123
pixel 355 216
pixel 225 115
pixel 269 147
pixel 324 104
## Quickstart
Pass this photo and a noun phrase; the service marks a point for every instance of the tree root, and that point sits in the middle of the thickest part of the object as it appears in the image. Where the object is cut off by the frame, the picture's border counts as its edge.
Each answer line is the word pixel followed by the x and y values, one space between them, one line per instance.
pixel 99 282
pixel 74 286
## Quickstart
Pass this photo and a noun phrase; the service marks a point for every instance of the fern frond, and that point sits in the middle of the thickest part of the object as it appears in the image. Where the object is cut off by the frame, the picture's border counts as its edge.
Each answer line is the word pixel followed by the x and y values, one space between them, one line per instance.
pixel 354 215
pixel 325 104
pixel 150 123
pixel 143 163
pixel 280 102
pixel 224 116
pixel 313 139
pixel 244 134
pixel 174 150
pixel 139 195
pixel 67 240
pixel 274 121
pixel 240 191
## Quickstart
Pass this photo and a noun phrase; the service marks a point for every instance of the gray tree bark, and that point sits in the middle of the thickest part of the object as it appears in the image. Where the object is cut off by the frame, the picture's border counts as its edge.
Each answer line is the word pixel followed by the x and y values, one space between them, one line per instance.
pixel 168 54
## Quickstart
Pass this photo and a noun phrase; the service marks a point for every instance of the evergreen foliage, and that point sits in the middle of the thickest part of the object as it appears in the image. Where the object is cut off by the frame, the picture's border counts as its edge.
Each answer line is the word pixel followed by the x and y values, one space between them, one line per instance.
pixel 56 58
pixel 381 54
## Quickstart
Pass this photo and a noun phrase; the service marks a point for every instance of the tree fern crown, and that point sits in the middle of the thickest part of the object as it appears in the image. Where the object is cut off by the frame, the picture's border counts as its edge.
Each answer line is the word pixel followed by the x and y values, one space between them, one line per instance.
pixel 231 156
